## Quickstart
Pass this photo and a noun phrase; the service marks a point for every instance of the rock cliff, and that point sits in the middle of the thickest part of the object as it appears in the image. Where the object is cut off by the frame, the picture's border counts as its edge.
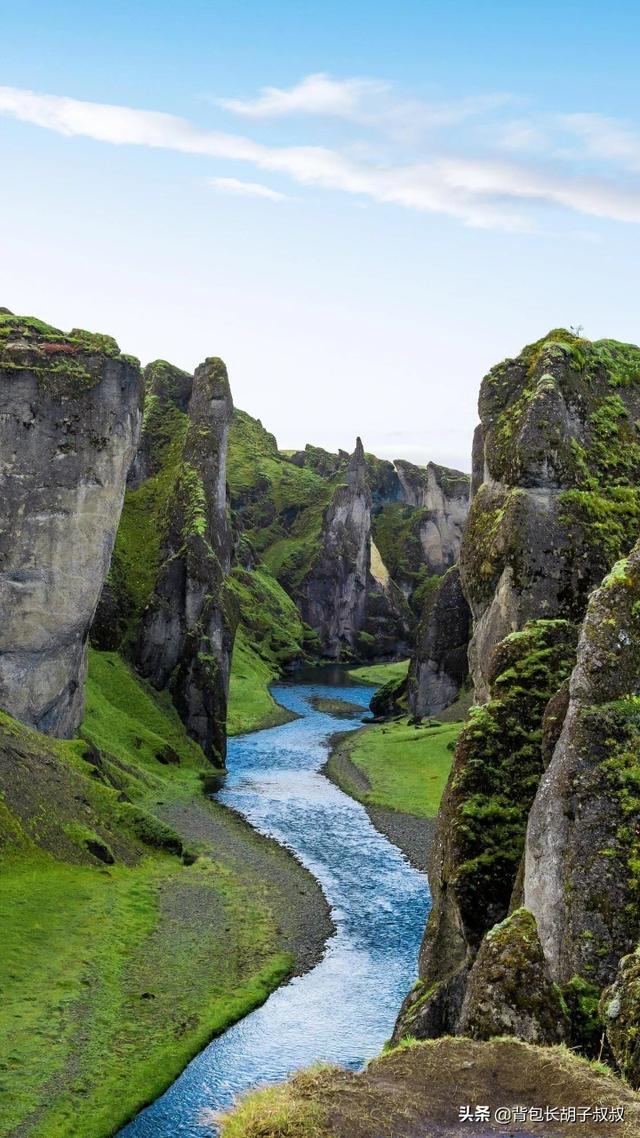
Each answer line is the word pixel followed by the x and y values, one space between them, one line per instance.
pixel 333 595
pixel 443 496
pixel 187 627
pixel 556 470
pixel 68 433
pixel 583 843
pixel 439 664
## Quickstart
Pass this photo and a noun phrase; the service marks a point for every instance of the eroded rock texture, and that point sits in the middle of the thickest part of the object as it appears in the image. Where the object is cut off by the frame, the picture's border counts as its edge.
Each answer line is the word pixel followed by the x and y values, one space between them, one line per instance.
pixel 556 501
pixel 620 1012
pixel 443 497
pixel 509 989
pixel 187 625
pixel 555 469
pixel 482 821
pixel 71 408
pixel 439 663
pixel 333 596
pixel 583 837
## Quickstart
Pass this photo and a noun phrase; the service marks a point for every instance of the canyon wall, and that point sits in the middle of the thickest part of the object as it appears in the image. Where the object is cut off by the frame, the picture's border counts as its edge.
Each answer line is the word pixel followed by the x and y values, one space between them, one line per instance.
pixel 71 410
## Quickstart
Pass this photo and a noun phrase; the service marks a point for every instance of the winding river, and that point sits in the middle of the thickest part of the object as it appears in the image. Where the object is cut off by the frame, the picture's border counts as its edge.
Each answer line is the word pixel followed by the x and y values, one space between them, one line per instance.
pixel 343 1010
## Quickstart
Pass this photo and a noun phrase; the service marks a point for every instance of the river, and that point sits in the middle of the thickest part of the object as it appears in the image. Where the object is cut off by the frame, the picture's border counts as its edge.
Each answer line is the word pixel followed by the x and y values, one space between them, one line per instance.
pixel 343 1010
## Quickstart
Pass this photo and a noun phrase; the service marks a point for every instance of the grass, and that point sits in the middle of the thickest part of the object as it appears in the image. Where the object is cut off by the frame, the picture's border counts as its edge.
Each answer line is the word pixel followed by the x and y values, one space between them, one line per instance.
pixel 409 1091
pixel 118 995
pixel 251 705
pixel 276 1112
pixel 380 674
pixel 406 767
pixel 113 977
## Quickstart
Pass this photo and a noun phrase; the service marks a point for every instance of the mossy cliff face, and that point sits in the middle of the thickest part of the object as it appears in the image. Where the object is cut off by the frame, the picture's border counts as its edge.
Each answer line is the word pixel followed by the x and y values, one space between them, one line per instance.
pixel 483 817
pixel 556 474
pixel 443 496
pixel 510 991
pixel 582 863
pixel 283 504
pixel 70 423
pixel 333 595
pixel 439 663
pixel 620 1014
pixel 187 627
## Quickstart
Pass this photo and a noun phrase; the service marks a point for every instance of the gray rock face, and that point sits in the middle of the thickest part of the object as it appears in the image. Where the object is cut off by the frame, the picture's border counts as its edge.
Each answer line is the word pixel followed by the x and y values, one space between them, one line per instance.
pixel 333 596
pixel 556 472
pixel 555 451
pixel 443 495
pixel 580 877
pixel 188 626
pixel 439 664
pixel 509 990
pixel 71 409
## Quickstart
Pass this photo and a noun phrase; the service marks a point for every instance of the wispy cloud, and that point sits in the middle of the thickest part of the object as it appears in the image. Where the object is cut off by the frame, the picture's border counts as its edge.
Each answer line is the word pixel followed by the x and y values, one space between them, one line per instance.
pixel 372 103
pixel 315 95
pixel 489 192
pixel 605 138
pixel 246 189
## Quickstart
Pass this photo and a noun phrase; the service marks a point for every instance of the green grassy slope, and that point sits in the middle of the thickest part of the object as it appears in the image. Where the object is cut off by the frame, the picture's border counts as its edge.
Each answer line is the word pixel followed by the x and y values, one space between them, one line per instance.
pixel 405 768
pixel 380 674
pixel 125 944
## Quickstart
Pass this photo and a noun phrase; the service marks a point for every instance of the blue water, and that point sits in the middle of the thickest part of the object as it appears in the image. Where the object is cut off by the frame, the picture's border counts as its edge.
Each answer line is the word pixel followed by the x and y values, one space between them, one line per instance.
pixel 343 1010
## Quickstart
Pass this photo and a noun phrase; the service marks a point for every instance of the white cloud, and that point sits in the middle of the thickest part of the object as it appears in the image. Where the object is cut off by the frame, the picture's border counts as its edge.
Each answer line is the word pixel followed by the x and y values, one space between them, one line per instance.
pixel 246 189
pixel 605 138
pixel 371 103
pixel 481 192
pixel 315 95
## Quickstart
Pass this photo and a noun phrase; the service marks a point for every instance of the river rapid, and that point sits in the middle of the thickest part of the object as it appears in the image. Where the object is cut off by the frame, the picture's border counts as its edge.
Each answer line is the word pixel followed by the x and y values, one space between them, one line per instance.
pixel 343 1010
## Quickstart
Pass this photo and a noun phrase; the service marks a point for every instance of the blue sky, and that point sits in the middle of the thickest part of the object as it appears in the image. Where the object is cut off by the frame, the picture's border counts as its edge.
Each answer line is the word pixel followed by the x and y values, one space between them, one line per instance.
pixel 360 207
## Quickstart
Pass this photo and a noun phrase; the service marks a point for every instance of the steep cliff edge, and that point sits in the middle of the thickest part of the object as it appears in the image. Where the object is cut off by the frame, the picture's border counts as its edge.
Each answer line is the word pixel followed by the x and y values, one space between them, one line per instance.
pixel 583 837
pixel 68 433
pixel 556 473
pixel 187 630
pixel 556 501
pixel 333 595
pixel 439 664
pixel 173 550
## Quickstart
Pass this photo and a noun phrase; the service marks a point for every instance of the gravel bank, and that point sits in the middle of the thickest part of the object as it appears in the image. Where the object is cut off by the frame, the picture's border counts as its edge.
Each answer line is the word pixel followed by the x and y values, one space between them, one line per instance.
pixel 296 899
pixel 411 834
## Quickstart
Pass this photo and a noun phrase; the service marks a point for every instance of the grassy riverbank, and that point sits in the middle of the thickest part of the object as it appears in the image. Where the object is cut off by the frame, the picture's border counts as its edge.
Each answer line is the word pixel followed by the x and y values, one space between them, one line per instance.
pixel 398 771
pixel 138 918
pixel 380 674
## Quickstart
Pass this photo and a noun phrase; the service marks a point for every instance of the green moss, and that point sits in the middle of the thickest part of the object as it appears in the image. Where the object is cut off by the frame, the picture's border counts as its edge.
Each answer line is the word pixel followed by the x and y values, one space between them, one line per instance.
pixel 581 999
pixel 396 533
pixel 498 766
pixel 251 705
pixel 64 364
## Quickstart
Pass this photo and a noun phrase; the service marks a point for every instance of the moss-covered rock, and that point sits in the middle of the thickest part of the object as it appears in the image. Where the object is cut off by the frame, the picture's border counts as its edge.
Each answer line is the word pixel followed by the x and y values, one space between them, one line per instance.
pixel 556 488
pixel 582 878
pixel 188 623
pixel 509 990
pixel 620 1012
pixel 483 818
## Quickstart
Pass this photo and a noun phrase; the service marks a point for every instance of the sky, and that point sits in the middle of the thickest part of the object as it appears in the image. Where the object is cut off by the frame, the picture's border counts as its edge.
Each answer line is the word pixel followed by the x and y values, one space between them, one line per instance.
pixel 361 207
